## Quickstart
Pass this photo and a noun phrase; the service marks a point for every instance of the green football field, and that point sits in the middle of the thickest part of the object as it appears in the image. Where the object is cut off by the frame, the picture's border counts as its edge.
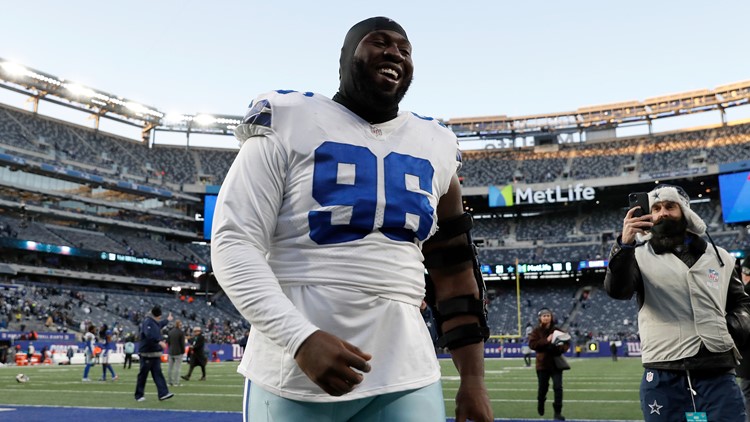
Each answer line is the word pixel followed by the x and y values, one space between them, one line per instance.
pixel 595 388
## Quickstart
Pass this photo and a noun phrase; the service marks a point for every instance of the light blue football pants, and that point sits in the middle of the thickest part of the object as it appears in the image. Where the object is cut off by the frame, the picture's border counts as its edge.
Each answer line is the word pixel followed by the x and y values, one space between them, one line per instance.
pixel 423 405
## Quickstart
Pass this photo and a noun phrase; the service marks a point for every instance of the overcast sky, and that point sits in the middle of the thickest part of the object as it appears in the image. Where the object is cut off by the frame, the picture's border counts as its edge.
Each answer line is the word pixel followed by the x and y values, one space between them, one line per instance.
pixel 472 58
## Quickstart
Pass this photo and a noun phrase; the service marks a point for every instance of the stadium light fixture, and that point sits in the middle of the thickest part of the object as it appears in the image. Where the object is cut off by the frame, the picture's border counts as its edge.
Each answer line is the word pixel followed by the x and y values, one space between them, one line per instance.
pixel 80 91
pixel 137 108
pixel 228 121
pixel 43 78
pixel 14 69
pixel 176 118
pixel 140 109
pixel 204 119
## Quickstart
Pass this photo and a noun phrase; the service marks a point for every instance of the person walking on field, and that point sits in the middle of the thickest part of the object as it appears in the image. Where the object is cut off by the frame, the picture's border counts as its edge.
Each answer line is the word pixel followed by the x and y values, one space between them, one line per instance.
pixel 89 340
pixel 542 339
pixel 176 342
pixel 150 350
pixel 108 348
pixel 129 349
pixel 197 354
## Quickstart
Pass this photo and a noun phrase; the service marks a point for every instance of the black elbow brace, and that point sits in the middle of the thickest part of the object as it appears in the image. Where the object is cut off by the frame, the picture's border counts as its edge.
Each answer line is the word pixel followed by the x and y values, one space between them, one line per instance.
pixel 465 334
pixel 462 305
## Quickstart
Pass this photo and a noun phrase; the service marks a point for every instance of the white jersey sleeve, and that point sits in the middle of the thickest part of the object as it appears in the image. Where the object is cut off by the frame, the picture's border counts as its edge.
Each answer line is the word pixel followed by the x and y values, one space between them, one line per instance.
pixel 244 221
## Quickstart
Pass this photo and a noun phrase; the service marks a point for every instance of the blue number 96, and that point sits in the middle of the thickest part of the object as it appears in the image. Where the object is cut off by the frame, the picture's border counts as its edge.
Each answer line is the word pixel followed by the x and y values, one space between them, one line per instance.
pixel 359 195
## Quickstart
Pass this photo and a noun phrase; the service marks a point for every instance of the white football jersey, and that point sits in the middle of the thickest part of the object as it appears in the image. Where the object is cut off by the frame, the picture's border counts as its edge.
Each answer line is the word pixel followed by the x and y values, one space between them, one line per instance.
pixel 319 225
pixel 90 340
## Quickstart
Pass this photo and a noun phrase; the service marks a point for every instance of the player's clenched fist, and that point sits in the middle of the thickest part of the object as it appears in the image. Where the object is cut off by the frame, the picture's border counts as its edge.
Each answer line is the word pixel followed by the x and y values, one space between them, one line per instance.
pixel 331 363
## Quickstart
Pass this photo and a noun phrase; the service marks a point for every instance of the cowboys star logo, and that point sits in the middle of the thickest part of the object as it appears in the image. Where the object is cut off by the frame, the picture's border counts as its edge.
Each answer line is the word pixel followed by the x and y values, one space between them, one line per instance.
pixel 655 408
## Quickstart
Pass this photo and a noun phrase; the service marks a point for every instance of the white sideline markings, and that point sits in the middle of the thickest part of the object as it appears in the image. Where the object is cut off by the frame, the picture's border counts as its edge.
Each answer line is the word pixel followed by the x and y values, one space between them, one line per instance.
pixel 118 408
pixel 129 393
pixel 566 401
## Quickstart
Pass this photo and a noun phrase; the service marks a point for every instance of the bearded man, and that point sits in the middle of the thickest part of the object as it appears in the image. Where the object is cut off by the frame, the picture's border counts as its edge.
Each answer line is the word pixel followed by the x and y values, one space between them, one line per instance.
pixel 693 312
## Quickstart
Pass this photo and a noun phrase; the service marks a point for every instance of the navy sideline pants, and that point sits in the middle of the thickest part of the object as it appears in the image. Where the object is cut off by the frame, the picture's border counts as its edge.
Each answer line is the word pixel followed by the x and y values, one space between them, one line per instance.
pixel 665 396
pixel 152 366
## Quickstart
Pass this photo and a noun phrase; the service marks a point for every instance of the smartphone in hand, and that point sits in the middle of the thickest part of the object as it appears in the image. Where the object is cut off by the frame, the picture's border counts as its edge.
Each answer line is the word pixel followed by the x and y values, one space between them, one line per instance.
pixel 639 199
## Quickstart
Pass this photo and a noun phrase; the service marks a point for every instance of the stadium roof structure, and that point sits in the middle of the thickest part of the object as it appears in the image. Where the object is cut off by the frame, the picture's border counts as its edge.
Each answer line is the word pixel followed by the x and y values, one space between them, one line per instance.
pixel 607 116
pixel 43 86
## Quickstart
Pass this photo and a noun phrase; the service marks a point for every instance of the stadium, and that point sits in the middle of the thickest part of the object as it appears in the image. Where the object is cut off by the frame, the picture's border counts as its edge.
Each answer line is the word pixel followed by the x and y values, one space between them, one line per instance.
pixel 98 228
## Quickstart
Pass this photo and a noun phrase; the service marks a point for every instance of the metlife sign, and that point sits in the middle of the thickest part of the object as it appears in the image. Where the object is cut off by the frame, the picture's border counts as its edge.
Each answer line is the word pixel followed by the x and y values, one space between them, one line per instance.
pixel 506 196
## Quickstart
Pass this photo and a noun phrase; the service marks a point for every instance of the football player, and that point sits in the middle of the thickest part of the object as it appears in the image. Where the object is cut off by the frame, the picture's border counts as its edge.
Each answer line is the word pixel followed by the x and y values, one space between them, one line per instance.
pixel 89 339
pixel 323 229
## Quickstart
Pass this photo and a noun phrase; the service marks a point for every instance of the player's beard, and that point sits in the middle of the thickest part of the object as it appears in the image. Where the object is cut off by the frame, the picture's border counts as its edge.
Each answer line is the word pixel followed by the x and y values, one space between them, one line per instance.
pixel 368 92
pixel 668 233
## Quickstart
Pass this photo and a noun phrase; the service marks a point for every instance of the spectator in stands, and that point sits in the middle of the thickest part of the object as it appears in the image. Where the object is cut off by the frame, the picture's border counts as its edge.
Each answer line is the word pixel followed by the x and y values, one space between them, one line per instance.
pixel 108 348
pixel 149 353
pixel 743 370
pixel 197 353
pixel 129 349
pixel 692 309
pixel 541 340
pixel 89 340
pixel 319 184
pixel 176 342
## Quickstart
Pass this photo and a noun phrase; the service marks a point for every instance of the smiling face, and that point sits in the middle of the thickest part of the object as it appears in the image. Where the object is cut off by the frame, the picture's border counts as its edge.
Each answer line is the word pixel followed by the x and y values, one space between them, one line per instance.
pixel 383 68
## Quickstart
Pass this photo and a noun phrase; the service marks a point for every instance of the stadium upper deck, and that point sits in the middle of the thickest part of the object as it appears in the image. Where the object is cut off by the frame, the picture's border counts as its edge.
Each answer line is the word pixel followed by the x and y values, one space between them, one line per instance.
pixel 79 187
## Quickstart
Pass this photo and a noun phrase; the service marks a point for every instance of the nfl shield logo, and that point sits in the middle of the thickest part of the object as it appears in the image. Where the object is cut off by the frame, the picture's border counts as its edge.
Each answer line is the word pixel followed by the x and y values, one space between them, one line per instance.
pixel 713 279
pixel 649 376
pixel 713 275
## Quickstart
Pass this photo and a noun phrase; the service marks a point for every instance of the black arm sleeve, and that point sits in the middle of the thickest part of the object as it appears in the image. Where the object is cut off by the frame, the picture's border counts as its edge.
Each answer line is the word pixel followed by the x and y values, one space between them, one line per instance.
pixel 623 276
pixel 738 312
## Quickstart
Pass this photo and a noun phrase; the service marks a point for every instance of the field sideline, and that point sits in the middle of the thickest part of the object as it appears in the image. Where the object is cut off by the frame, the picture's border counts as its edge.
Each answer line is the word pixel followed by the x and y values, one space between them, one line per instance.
pixel 595 389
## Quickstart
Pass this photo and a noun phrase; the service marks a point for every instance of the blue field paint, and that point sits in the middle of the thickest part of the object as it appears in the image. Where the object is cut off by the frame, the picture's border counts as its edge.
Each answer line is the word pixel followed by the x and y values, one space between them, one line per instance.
pixel 47 413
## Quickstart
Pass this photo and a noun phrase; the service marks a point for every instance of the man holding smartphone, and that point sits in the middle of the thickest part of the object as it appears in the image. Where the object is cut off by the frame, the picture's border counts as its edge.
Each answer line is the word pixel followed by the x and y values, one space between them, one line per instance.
pixel 693 312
